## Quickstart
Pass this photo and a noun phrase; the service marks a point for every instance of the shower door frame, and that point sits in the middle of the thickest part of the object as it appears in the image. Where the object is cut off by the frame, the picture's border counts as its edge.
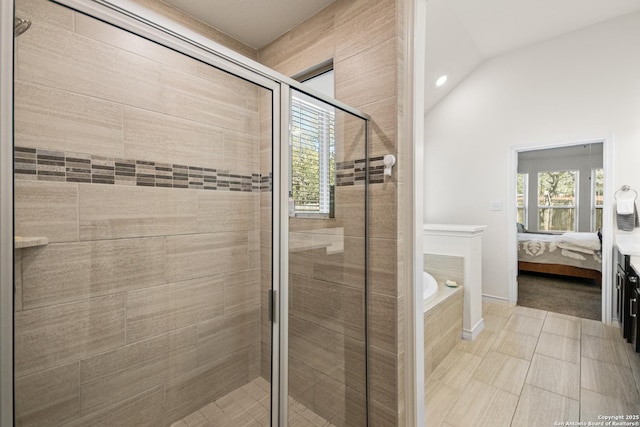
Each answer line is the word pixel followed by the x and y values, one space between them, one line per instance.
pixel 138 20
pixel 6 212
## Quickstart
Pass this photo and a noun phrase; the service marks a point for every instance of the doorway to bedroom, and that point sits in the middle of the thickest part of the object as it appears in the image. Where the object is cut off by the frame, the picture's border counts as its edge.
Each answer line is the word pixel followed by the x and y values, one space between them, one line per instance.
pixel 560 201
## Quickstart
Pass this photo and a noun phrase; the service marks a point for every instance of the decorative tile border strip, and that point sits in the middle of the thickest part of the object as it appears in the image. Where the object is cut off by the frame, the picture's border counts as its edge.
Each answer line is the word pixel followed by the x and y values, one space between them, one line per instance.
pixel 345 174
pixel 48 165
pixel 376 170
pixel 353 172
pixel 266 182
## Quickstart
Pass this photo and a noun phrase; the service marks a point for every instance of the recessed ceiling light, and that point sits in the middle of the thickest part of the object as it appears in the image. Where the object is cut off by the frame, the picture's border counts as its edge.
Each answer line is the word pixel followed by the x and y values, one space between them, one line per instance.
pixel 441 80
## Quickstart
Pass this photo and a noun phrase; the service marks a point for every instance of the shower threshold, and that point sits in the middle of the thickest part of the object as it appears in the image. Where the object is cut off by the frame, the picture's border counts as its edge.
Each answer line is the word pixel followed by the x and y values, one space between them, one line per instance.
pixel 249 406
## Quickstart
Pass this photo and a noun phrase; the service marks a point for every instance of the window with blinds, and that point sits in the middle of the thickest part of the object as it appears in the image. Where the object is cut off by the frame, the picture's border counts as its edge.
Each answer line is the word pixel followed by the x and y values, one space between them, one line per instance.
pixel 312 154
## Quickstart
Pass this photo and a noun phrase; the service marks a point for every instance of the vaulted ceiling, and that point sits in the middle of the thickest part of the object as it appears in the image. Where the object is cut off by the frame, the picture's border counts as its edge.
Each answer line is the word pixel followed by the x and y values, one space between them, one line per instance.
pixel 461 34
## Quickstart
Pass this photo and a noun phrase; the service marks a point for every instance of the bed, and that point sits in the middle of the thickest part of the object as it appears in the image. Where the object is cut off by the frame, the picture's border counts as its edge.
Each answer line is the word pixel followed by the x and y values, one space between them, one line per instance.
pixel 567 254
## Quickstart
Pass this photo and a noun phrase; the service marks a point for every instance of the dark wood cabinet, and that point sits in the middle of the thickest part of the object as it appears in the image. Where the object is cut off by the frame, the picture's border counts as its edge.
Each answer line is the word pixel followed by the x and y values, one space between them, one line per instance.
pixel 626 283
pixel 628 298
pixel 635 322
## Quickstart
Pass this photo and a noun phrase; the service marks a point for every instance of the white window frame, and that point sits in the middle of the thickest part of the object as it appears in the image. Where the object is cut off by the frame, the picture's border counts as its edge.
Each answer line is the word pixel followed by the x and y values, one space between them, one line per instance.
pixel 594 205
pixel 575 206
pixel 525 195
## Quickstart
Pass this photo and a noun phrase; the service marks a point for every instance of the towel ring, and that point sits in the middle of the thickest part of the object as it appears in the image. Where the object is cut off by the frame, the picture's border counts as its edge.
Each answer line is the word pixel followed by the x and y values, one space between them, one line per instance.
pixel 624 189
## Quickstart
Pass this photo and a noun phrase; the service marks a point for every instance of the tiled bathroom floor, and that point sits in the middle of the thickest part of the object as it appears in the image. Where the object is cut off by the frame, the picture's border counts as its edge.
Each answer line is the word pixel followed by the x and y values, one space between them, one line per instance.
pixel 248 406
pixel 533 368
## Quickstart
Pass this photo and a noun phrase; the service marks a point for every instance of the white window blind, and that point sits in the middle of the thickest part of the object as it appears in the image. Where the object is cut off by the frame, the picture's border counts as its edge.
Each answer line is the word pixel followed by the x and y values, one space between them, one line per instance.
pixel 312 153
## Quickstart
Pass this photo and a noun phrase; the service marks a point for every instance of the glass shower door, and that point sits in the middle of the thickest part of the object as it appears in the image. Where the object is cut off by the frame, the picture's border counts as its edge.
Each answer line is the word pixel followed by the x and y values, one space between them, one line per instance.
pixel 143 221
pixel 327 357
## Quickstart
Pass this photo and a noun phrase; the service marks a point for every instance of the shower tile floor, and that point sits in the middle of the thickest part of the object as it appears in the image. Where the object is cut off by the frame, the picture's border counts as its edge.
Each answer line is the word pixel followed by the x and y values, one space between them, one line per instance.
pixel 248 406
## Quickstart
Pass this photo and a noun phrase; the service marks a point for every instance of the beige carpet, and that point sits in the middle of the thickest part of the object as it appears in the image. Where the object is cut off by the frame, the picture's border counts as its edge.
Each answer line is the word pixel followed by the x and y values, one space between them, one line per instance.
pixel 566 295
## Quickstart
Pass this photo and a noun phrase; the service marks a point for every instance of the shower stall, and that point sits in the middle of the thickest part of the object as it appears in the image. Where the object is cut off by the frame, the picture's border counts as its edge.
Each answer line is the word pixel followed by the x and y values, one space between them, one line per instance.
pixel 160 275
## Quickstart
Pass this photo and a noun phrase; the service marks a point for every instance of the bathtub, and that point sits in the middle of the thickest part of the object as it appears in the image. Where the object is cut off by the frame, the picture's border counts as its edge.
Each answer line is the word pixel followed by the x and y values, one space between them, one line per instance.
pixel 429 286
pixel 434 293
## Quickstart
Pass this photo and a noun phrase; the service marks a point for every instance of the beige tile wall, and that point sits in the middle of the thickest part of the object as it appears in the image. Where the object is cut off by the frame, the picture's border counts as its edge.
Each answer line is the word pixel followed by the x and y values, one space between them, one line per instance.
pixel 47 209
pixel 445 267
pixel 78 123
pixel 442 331
pixel 145 305
pixel 108 212
pixel 362 38
pixel 52 396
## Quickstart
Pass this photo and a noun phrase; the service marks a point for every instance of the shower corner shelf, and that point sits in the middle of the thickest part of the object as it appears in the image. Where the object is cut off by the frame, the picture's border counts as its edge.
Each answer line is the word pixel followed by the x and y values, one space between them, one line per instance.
pixel 29 242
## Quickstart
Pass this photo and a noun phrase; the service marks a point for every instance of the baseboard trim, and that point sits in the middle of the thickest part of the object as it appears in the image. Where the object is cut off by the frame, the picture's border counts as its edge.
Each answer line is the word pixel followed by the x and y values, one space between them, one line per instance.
pixel 491 298
pixel 471 335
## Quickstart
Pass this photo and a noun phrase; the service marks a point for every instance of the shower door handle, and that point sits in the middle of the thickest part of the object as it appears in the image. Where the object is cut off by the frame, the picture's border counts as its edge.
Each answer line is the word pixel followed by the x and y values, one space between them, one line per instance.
pixel 272 305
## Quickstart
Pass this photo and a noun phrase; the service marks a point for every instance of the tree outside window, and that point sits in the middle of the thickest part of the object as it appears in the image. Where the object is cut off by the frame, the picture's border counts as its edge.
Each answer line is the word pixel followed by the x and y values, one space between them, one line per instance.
pixel 557 200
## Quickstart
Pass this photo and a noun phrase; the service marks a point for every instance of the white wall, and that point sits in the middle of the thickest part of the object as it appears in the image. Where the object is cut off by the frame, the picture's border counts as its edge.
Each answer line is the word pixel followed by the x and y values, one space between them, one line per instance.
pixel 581 86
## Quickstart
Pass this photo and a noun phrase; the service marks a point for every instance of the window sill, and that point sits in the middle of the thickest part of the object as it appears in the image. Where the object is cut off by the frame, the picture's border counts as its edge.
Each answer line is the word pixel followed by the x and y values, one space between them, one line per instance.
pixel 312 216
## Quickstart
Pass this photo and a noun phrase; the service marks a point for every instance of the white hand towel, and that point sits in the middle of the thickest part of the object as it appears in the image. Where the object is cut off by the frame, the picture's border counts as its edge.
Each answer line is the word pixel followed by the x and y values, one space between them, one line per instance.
pixel 625 207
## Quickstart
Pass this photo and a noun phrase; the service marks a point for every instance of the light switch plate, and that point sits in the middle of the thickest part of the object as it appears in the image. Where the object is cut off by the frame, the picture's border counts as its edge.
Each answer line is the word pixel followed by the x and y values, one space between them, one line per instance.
pixel 495 205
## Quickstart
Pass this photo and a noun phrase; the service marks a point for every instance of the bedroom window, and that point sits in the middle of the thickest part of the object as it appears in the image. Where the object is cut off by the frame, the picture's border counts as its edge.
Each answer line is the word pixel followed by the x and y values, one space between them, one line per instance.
pixel 522 192
pixel 557 201
pixel 597 198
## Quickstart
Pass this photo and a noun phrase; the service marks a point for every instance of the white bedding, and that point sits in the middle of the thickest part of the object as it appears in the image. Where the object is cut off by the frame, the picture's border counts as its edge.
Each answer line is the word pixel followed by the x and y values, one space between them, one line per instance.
pixel 575 249
pixel 588 241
